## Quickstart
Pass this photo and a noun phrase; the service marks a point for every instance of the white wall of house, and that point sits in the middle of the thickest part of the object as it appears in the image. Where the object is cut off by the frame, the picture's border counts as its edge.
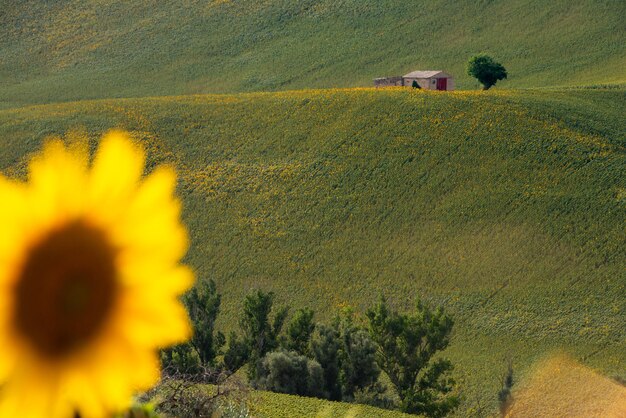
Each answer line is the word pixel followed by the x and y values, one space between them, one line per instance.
pixel 428 83
pixel 424 83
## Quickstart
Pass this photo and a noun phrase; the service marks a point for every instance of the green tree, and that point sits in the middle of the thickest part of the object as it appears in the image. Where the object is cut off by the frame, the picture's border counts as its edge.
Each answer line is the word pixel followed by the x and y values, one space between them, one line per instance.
pixel 181 359
pixel 237 353
pixel 415 85
pixel 299 331
pixel 325 346
pixel 357 357
pixel 347 356
pixel 203 304
pixel 486 70
pixel 260 334
pixel 406 344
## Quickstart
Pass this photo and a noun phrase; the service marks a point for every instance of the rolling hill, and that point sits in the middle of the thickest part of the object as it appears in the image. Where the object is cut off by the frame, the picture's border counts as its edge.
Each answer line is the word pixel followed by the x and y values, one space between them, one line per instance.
pixel 506 207
pixel 56 51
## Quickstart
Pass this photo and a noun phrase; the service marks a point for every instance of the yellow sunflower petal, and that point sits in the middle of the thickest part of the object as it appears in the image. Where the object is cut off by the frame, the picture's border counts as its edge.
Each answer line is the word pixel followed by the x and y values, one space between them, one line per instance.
pixel 79 391
pixel 116 171
pixel 133 369
pixel 158 278
pixel 154 321
pixel 151 226
pixel 31 394
pixel 7 359
pixel 13 197
pixel 12 212
pixel 108 385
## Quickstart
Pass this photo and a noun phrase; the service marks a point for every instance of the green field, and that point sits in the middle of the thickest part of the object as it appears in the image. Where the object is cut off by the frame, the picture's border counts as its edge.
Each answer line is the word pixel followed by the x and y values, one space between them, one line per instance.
pixel 69 50
pixel 507 207
pixel 276 405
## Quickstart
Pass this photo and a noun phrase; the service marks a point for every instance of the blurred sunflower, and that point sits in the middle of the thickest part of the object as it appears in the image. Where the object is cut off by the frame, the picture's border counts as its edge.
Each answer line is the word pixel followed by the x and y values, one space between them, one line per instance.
pixel 89 280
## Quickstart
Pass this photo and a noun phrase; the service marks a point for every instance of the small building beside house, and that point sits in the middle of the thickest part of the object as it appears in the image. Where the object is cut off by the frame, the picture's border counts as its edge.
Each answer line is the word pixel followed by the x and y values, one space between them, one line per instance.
pixel 427 80
pixel 395 81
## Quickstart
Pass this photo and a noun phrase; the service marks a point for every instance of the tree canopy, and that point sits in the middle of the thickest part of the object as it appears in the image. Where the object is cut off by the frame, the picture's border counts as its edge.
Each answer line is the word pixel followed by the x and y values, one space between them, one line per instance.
pixel 486 70
pixel 203 303
pixel 406 343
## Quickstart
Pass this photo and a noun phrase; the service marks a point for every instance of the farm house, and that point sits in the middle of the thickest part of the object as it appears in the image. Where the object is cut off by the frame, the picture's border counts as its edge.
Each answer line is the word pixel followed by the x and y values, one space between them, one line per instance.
pixel 427 80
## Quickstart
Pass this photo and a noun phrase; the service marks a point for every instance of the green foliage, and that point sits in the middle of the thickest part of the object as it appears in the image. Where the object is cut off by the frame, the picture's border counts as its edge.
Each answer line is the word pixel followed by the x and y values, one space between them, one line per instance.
pixel 181 359
pixel 376 395
pixel 432 395
pixel 357 357
pixel 415 85
pixel 325 345
pixel 203 304
pixel 299 331
pixel 486 70
pixel 406 344
pixel 73 50
pixel 259 335
pixel 292 373
pixel 237 354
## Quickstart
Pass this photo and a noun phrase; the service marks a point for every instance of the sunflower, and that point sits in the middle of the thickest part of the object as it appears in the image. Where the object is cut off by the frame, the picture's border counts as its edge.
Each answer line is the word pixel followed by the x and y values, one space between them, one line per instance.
pixel 89 280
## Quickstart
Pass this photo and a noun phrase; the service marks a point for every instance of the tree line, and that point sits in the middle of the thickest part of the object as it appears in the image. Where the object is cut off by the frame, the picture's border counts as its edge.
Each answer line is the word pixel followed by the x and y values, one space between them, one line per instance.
pixel 341 360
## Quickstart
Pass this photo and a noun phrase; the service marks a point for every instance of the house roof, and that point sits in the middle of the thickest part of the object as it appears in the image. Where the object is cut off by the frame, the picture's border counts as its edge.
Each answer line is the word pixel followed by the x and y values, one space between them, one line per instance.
pixel 426 74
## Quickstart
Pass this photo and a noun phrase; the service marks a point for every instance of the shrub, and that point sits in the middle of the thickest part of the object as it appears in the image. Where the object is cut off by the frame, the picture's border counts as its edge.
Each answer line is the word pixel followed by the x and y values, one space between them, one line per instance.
pixel 375 395
pixel 177 397
pixel 292 373
pixel 182 359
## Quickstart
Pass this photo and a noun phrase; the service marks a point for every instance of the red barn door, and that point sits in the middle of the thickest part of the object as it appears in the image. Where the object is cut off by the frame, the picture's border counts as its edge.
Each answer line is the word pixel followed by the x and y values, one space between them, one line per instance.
pixel 442 84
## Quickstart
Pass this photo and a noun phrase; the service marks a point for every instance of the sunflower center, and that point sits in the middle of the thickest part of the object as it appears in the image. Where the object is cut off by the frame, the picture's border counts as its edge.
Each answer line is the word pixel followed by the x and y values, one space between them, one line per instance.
pixel 66 289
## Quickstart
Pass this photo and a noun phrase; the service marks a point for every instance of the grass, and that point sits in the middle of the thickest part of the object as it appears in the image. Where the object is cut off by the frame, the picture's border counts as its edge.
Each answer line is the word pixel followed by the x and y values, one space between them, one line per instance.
pixel 263 404
pixel 506 207
pixel 72 50
pixel 276 405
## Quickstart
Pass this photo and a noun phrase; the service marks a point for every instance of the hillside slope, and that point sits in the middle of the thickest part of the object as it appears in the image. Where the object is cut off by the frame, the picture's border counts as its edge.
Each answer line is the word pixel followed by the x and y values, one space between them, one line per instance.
pixel 507 207
pixel 70 50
